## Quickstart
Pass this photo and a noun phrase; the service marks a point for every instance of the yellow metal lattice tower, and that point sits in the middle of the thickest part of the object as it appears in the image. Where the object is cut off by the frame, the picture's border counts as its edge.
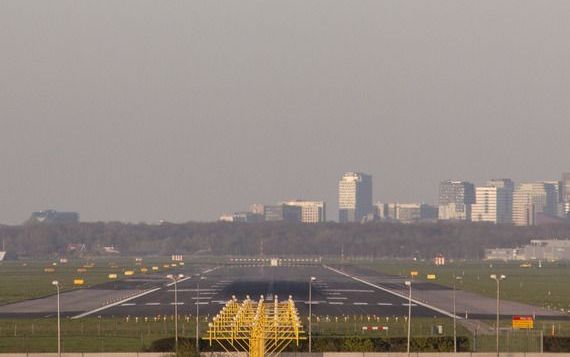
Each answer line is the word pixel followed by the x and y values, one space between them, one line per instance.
pixel 262 328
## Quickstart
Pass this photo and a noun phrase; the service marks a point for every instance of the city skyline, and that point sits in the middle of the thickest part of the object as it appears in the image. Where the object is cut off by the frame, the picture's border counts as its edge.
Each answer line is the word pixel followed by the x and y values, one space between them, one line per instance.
pixel 181 111
pixel 322 213
pixel 498 200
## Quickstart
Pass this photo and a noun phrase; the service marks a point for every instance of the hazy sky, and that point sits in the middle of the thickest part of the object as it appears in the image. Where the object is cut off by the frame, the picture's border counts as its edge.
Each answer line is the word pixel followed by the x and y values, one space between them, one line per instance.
pixel 182 110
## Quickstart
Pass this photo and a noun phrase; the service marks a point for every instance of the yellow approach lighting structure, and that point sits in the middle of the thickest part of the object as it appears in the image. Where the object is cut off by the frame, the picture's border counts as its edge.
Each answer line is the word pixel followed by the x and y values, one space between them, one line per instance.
pixel 262 328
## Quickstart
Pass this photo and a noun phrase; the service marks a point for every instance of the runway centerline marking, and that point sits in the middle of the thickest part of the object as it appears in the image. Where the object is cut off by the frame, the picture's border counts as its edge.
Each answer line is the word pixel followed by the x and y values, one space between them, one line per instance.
pixel 360 303
pixel 336 303
pixel 337 298
pixel 152 303
pixel 385 304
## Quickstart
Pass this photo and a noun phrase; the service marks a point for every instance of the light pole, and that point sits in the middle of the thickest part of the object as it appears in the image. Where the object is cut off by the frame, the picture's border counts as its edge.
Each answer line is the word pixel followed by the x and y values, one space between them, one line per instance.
pixel 498 279
pixel 175 278
pixel 457 278
pixel 408 283
pixel 198 313
pixel 56 284
pixel 310 310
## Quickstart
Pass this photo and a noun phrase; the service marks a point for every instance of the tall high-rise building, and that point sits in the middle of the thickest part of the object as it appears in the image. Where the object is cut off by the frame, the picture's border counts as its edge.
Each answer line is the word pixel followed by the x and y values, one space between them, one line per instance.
pixel 311 211
pixel 455 200
pixel 508 187
pixel 491 205
pixel 354 197
pixel 532 198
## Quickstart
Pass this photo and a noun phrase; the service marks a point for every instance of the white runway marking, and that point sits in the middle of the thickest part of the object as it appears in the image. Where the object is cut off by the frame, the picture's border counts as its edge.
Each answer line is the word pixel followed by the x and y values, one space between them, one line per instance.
pixel 129 304
pixel 360 303
pixel 202 291
pixel 337 298
pixel 178 303
pixel 385 304
pixel 87 313
pixel 336 303
pixel 152 303
pixel 406 304
pixel 201 297
pixel 201 303
pixel 179 281
pixel 441 311
pixel 351 290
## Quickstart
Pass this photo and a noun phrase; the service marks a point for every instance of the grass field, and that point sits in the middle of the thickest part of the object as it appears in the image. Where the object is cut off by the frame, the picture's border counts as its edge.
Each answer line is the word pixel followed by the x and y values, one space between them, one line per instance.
pixel 124 335
pixel 547 286
pixel 27 279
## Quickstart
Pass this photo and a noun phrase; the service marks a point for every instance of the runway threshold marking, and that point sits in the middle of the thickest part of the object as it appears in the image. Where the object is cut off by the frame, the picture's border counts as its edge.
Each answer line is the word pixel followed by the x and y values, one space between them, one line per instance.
pixel 150 291
pixel 436 309
pixel 87 313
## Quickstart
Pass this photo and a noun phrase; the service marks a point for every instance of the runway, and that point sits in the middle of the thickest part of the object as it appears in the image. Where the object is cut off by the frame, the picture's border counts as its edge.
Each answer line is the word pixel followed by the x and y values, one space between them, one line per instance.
pixel 332 293
pixel 350 292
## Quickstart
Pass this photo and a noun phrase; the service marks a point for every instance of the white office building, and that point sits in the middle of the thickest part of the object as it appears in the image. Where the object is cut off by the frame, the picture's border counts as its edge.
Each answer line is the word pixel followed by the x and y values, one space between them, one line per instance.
pixel 492 204
pixel 354 197
pixel 532 198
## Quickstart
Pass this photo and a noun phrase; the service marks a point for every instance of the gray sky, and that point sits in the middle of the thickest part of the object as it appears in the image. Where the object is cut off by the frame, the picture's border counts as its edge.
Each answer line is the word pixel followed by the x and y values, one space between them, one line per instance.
pixel 181 110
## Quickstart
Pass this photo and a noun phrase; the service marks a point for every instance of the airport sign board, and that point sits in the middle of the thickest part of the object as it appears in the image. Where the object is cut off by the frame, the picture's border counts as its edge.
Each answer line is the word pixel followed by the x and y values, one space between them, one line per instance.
pixel 523 322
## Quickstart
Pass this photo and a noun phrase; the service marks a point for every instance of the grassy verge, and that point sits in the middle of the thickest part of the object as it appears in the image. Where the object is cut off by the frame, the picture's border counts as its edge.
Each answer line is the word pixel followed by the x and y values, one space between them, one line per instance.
pixel 547 286
pixel 28 279
pixel 136 334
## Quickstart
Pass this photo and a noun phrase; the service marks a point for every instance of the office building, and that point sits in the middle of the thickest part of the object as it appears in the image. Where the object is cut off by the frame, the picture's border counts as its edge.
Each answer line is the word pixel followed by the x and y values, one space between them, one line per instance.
pixel 508 187
pixel 354 197
pixel 492 204
pixel 282 212
pixel 565 187
pixel 455 200
pixel 242 217
pixel 311 211
pixel 257 208
pixel 406 212
pixel 531 199
pixel 53 216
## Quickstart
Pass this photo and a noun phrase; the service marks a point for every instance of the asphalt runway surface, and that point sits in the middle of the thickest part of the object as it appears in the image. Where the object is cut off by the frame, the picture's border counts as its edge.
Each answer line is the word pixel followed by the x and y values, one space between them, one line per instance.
pixel 332 294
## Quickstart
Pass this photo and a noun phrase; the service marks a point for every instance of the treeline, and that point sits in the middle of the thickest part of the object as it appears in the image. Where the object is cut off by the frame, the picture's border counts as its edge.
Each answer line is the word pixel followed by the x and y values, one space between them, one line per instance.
pixel 457 240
